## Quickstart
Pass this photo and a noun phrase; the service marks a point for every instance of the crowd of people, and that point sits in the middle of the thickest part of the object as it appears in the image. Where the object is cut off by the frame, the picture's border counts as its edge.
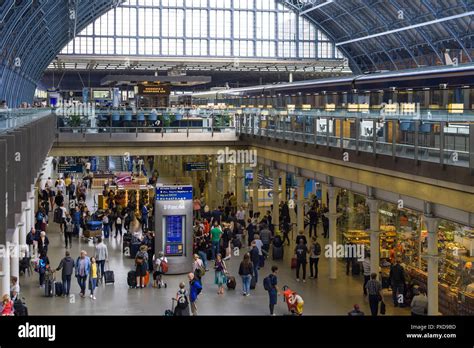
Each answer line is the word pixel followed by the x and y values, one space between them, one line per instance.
pixel 229 231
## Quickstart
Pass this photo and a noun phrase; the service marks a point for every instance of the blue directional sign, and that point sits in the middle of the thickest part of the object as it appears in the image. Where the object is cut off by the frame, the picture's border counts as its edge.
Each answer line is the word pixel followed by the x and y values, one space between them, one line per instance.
pixel 69 168
pixel 174 193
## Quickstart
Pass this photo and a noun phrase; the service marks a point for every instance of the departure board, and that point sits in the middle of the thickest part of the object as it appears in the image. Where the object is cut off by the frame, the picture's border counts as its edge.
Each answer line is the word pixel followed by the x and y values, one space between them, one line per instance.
pixel 174 227
pixel 174 193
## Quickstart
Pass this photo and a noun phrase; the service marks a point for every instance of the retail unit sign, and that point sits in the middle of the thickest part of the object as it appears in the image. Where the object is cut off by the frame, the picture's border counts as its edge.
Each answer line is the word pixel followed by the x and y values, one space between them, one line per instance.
pixel 174 193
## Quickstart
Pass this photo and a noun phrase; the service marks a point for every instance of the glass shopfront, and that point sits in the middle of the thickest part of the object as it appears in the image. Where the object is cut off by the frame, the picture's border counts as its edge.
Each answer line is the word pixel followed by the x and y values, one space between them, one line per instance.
pixel 404 235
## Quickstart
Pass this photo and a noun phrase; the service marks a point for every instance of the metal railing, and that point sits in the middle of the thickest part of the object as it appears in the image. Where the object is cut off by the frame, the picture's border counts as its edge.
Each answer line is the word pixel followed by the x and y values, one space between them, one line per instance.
pixel 14 118
pixel 416 138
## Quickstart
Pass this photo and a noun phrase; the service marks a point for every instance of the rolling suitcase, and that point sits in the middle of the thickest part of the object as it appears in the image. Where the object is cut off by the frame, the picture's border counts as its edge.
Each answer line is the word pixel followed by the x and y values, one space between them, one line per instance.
pixel 132 279
pixel 277 253
pixel 231 283
pixel 58 288
pixel 147 279
pixel 253 283
pixel 109 277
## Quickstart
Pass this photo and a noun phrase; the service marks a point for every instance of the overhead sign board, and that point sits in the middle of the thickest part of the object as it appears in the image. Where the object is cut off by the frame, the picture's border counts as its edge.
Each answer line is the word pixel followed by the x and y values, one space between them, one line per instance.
pixel 196 167
pixel 69 168
pixel 154 89
pixel 174 193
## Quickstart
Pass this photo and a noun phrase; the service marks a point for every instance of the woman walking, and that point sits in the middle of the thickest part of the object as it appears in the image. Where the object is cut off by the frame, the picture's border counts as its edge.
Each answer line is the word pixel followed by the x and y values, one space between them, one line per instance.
pixel 93 277
pixel 246 272
pixel 221 271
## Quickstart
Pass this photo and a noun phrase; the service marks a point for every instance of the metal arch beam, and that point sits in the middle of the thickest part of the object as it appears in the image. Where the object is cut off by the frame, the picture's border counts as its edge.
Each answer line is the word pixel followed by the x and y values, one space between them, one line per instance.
pixel 361 46
pixel 386 52
pixel 383 20
pixel 420 31
pixel 448 28
pixel 314 7
pixel 413 26
pixel 354 66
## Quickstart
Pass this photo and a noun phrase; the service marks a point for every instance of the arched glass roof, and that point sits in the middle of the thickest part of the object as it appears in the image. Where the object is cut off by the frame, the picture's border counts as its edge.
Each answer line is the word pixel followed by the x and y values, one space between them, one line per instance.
pixel 395 34
pixel 204 28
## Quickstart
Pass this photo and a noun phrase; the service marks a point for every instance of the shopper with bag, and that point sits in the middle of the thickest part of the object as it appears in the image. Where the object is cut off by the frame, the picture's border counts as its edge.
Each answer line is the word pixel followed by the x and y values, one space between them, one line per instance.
pixel 221 271
pixel 374 291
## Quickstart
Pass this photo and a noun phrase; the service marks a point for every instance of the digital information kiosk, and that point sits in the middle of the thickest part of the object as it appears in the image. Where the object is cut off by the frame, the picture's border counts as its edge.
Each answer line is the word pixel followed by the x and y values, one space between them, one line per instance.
pixel 174 226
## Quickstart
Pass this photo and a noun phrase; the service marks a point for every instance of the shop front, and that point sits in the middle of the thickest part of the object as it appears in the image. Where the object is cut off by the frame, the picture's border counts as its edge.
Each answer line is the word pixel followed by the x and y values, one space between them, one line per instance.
pixel 404 236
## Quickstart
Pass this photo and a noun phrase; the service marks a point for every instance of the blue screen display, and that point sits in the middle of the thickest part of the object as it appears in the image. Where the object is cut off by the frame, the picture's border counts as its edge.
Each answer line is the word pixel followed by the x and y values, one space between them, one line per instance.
pixel 174 231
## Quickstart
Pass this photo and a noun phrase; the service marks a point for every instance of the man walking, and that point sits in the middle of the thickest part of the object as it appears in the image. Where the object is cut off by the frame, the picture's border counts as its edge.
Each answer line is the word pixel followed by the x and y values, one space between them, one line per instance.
pixel 101 255
pixel 83 267
pixel 67 265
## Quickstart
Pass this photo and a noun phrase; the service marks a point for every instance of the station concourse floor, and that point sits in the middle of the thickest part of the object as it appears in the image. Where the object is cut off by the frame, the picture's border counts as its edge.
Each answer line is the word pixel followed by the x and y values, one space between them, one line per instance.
pixel 322 296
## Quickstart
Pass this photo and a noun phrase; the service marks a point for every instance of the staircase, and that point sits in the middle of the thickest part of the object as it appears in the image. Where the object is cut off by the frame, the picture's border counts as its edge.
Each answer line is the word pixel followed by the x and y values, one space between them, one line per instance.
pixel 102 164
pixel 116 164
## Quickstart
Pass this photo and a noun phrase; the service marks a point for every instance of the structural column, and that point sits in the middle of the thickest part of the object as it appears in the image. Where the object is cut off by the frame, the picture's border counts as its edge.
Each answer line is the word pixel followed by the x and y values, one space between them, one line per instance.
pixel 324 194
pixel 432 260
pixel 211 187
pixel 255 189
pixel 24 228
pixel 374 235
pixel 239 184
pixel 276 201
pixel 225 179
pixel 300 203
pixel 332 216
pixel 283 187
pixel 14 250
pixel 5 259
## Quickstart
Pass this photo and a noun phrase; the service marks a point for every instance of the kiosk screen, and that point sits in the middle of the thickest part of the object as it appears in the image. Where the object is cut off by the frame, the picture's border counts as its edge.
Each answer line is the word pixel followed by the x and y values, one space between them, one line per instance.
pixel 174 229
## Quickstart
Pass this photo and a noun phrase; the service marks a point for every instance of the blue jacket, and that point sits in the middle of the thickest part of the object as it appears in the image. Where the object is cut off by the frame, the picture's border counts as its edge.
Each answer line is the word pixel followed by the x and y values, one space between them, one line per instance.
pixel 195 288
pixel 87 269
pixel 76 217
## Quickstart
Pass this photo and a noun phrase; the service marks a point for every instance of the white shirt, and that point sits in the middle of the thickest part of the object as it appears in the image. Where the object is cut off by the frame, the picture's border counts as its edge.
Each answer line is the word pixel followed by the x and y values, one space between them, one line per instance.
pixel 197 264
pixel 240 215
pixel 88 165
pixel 64 212
pixel 259 244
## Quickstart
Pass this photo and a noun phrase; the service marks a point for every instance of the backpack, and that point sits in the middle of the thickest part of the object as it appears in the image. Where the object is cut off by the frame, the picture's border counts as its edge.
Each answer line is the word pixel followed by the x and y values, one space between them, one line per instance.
pixel 58 215
pixel 267 283
pixel 164 266
pixel 69 227
pixel 39 216
pixel 317 249
pixel 183 301
pixel 200 271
